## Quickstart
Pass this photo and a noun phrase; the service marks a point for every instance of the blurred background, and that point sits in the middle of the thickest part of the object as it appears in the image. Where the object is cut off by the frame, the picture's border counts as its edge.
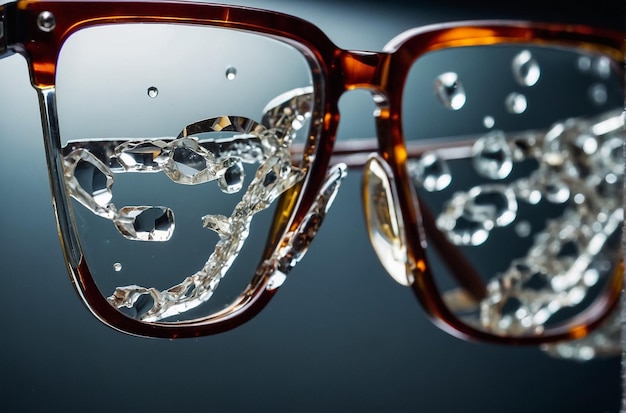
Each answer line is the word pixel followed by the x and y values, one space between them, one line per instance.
pixel 340 335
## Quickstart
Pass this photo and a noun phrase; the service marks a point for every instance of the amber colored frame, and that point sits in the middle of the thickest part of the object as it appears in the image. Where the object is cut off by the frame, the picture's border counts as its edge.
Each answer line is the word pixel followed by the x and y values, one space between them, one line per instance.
pixel 336 71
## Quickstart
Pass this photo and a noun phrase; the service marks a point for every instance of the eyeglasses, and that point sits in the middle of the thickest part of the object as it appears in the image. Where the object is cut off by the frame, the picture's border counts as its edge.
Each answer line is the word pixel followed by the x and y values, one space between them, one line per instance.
pixel 192 158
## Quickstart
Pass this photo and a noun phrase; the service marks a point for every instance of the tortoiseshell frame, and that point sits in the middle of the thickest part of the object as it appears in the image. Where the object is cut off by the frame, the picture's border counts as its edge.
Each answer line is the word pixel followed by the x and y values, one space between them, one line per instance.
pixel 335 71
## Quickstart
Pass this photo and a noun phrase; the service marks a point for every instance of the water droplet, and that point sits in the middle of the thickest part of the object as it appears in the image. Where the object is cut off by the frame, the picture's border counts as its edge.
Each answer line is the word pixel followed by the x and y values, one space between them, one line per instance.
pixel 117 267
pixel 556 191
pixel 527 191
pixel 489 122
pixel 430 171
pixel 591 277
pixel 523 229
pixel 579 198
pixel 602 67
pixel 584 63
pixel 153 92
pixel 516 103
pixel 525 69
pixel 611 179
pixel 450 91
pixel 492 157
pixel 231 72
pixel 588 144
pixel 493 205
pixel 612 155
pixel 598 94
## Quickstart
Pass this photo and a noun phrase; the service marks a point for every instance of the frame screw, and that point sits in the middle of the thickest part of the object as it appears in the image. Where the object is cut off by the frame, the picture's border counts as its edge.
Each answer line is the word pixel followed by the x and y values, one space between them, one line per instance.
pixel 46 21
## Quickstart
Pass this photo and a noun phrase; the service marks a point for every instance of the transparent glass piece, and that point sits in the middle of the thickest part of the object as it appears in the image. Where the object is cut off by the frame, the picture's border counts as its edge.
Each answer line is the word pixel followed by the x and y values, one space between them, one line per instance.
pixel 468 217
pixel 145 223
pixel 232 180
pixel 140 157
pixel 430 171
pixel 189 163
pixel 93 181
pixel 296 243
pixel 90 182
pixel 217 223
pixel 492 156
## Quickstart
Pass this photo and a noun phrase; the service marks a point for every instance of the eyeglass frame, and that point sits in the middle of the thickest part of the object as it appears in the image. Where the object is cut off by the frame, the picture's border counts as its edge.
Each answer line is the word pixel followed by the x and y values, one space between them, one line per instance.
pixel 38 29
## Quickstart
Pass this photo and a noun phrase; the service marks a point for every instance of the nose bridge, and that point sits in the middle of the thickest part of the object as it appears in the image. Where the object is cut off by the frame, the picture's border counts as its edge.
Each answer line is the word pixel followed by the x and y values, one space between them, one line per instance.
pixel 362 70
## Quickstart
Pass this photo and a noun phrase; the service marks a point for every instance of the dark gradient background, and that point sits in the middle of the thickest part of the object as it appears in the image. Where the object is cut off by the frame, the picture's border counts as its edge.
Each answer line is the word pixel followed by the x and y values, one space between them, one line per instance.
pixel 340 336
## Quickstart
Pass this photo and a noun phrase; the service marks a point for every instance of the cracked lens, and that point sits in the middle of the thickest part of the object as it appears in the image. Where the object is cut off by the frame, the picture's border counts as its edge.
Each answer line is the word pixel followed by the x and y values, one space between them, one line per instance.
pixel 580 169
pixel 188 160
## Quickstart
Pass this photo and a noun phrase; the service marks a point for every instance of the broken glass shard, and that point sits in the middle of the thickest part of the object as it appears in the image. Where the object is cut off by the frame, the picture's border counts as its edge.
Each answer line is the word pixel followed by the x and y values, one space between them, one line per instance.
pixel 462 231
pixel 145 223
pixel 93 181
pixel 89 181
pixel 140 157
pixel 218 223
pixel 232 180
pixel 188 162
pixel 494 205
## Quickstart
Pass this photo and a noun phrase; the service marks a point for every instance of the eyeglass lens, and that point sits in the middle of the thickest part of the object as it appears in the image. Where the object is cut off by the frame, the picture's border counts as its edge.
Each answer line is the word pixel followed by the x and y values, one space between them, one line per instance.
pixel 529 184
pixel 170 152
